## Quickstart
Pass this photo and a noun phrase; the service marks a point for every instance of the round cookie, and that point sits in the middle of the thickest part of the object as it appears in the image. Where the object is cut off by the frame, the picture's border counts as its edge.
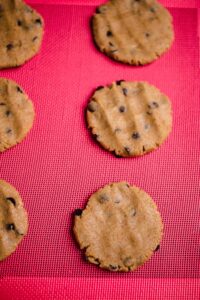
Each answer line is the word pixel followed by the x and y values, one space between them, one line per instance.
pixel 21 32
pixel 13 219
pixel 120 228
pixel 16 114
pixel 136 32
pixel 129 118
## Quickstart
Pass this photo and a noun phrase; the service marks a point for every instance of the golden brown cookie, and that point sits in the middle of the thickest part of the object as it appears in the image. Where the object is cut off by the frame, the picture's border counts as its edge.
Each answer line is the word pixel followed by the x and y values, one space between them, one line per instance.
pixel 129 118
pixel 13 219
pixel 120 228
pixel 21 32
pixel 16 114
pixel 136 32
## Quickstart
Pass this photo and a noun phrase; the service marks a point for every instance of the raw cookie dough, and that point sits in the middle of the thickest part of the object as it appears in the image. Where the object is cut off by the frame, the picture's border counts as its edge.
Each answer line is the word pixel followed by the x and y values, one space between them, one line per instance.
pixel 136 32
pixel 120 228
pixel 129 118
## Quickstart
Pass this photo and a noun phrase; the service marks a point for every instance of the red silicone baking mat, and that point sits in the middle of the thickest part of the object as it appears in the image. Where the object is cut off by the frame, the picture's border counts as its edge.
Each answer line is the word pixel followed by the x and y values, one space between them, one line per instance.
pixel 59 166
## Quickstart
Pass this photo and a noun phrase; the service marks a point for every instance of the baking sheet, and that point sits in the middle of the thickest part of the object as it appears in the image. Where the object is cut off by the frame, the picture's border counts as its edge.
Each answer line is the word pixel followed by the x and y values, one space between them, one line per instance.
pixel 59 166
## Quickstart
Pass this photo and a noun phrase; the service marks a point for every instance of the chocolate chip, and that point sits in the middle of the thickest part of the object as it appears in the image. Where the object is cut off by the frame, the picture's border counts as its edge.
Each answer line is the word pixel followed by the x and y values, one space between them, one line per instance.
pixel 111 44
pixel 118 82
pixel 149 113
pixel 152 10
pixel 8 131
pixel 157 248
pixel 19 22
pixel 103 198
pixel 9 46
pixel 135 135
pixel 99 88
pixel 8 113
pixel 125 91
pixel 78 212
pixel 35 38
pixel 113 268
pixel 12 200
pixel 113 51
pixel 19 90
pixel 147 34
pixel 38 21
pixel 92 106
pixel 10 226
pixel 122 109
pixel 127 149
pixel 109 33
pixel 153 105
pixel 2 103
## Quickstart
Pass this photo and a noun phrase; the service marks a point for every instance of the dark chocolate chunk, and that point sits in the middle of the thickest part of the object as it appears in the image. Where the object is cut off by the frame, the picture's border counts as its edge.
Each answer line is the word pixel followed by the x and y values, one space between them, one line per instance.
pixel 8 113
pixel 113 268
pixel 12 200
pixel 157 248
pixel 19 22
pixel 10 226
pixel 153 105
pixel 125 91
pixel 78 212
pixel 113 51
pixel 118 82
pixel 152 10
pixel 109 33
pixel 8 131
pixel 19 90
pixel 103 198
pixel 9 46
pixel 135 135
pixel 127 149
pixel 149 113
pixel 38 21
pixel 92 106
pixel 35 38
pixel 122 109
pixel 99 88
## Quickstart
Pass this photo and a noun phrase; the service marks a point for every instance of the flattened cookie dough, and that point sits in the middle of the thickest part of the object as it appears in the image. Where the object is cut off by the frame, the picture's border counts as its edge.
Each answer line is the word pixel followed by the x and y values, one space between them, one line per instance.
pixel 16 114
pixel 120 228
pixel 21 32
pixel 136 32
pixel 129 118
pixel 13 219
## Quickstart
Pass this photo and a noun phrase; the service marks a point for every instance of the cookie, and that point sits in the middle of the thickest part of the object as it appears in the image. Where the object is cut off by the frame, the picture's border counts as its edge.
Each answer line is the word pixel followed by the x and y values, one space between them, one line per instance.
pixel 120 228
pixel 13 219
pixel 21 32
pixel 16 114
pixel 135 32
pixel 129 118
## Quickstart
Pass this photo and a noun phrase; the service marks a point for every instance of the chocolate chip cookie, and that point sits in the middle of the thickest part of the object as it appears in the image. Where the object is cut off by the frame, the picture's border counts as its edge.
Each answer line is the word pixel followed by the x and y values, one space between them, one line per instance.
pixel 136 32
pixel 21 32
pixel 120 228
pixel 16 114
pixel 13 219
pixel 129 118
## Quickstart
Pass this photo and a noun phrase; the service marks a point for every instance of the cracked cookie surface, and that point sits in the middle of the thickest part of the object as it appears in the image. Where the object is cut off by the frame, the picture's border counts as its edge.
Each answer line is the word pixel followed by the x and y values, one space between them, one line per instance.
pixel 129 118
pixel 21 32
pixel 13 219
pixel 136 32
pixel 16 114
pixel 120 228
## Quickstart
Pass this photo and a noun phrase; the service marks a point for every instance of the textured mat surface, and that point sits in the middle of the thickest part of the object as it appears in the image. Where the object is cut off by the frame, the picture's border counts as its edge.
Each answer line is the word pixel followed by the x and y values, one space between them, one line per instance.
pixel 58 166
